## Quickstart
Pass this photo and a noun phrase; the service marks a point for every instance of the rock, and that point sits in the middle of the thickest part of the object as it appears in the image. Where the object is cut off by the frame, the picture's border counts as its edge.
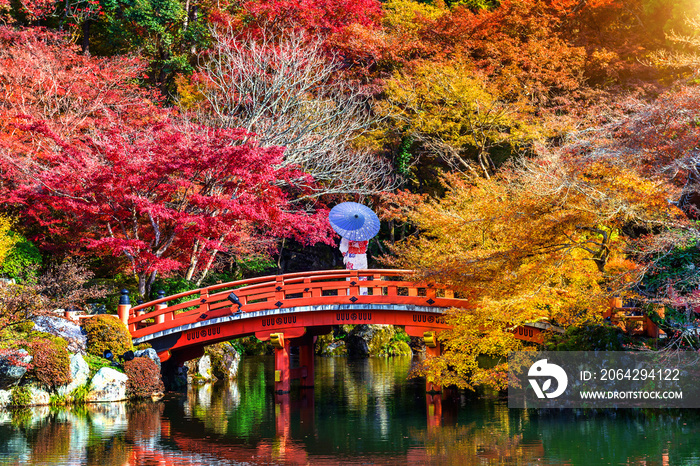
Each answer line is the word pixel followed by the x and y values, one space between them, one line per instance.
pixel 13 366
pixel 148 353
pixel 204 367
pixel 417 344
pixel 5 397
pixel 64 328
pixel 107 385
pixel 327 346
pixel 224 360
pixel 79 373
pixel 40 397
pixel 375 340
pixel 359 338
pixel 357 347
pixel 191 370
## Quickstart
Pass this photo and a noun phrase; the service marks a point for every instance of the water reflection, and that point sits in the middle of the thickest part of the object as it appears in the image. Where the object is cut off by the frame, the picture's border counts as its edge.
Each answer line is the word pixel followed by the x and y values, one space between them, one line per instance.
pixel 360 412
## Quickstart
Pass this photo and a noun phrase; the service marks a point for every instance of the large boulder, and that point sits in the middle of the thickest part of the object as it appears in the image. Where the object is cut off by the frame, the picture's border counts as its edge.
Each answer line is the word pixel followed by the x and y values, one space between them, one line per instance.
pixel 359 338
pixel 40 397
pixel 107 385
pixel 204 367
pixel 149 353
pixel 13 366
pixel 199 370
pixel 79 372
pixel 376 340
pixel 71 332
pixel 224 360
pixel 357 347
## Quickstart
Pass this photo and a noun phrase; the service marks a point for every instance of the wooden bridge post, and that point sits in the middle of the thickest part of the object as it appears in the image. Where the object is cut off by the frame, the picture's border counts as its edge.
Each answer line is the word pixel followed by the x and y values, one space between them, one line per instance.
pixel 161 318
pixel 432 349
pixel 282 369
pixel 124 307
pixel 279 288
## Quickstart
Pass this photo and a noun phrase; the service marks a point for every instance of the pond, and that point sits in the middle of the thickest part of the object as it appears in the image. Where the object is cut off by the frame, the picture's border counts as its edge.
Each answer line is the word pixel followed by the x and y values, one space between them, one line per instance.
pixel 361 412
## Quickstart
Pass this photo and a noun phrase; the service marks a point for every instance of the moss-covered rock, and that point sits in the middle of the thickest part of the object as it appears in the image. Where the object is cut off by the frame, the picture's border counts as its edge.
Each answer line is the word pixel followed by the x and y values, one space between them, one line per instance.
pixel 106 332
pixel 224 360
pixel 329 345
pixel 365 340
pixel 380 340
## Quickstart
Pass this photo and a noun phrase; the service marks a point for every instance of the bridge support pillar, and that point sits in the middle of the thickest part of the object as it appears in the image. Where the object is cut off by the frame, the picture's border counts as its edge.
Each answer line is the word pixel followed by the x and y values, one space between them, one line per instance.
pixel 432 349
pixel 282 369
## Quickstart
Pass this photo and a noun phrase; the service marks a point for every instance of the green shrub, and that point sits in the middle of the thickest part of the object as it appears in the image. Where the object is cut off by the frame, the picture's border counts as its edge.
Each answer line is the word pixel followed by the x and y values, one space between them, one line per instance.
pixel 144 378
pixel 142 346
pixel 51 363
pixel 105 332
pixel 79 394
pixel 95 363
pixel 58 400
pixel 401 335
pixel 396 348
pixel 25 327
pixel 20 396
pixel 22 262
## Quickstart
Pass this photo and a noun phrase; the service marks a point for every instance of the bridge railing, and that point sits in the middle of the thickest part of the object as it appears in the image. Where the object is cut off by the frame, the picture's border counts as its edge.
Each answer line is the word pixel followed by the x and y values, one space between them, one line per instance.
pixel 290 290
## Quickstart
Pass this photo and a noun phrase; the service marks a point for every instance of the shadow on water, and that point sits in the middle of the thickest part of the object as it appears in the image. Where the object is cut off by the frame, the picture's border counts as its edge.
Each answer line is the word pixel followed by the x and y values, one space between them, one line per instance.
pixel 360 412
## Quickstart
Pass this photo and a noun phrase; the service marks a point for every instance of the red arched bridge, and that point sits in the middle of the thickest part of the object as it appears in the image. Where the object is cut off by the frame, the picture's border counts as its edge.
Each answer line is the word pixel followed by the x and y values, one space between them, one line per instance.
pixel 291 310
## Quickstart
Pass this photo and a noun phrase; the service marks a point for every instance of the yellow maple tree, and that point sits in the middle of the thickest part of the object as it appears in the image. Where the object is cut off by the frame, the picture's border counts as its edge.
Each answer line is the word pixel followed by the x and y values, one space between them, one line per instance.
pixel 7 240
pixel 531 244
pixel 454 113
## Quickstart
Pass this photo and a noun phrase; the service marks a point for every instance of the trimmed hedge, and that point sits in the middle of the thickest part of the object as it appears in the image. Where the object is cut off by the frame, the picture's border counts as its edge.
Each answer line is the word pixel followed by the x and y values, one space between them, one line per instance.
pixel 51 363
pixel 106 332
pixel 144 378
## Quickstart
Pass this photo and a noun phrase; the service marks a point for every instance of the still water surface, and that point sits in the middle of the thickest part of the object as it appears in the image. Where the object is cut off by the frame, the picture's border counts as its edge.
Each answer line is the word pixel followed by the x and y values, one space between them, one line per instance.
pixel 361 412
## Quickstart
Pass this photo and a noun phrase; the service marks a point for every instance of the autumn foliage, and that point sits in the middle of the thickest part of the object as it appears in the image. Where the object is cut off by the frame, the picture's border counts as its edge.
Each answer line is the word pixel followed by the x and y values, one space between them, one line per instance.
pixel 548 150
pixel 543 242
pixel 105 332
pixel 51 362
pixel 144 378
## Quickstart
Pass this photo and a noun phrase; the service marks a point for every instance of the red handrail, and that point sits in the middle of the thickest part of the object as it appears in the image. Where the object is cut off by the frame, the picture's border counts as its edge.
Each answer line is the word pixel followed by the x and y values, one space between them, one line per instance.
pixel 288 290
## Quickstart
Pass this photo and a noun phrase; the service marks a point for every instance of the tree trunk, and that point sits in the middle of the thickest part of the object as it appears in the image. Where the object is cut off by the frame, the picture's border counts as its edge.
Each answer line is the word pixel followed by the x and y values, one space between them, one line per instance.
pixel 86 37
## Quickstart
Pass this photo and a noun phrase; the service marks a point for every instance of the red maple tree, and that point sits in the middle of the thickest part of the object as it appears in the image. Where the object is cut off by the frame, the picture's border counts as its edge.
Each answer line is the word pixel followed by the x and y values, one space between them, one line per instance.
pixel 96 166
pixel 164 197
